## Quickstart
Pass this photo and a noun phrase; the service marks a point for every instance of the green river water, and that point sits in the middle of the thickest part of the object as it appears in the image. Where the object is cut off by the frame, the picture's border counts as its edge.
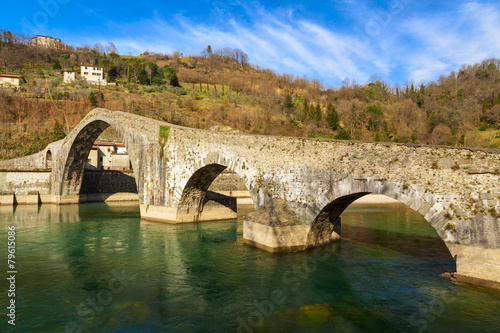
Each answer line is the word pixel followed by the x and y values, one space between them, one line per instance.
pixel 100 268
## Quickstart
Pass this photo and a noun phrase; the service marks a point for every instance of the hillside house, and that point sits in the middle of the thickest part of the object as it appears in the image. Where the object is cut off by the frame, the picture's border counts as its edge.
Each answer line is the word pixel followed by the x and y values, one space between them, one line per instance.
pixel 108 155
pixel 93 75
pixel 69 76
pixel 10 80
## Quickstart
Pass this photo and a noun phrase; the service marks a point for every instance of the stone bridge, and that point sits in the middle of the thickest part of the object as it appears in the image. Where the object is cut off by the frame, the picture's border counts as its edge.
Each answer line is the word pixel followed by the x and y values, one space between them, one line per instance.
pixel 299 186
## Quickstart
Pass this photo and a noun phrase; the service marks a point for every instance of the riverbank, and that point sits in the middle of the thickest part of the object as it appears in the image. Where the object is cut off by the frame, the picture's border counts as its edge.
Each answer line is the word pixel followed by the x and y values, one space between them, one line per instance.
pixel 375 199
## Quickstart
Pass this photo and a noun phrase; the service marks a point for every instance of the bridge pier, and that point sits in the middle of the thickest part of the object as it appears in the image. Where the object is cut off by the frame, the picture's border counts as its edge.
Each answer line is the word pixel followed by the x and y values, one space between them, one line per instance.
pixel 283 238
pixel 277 228
pixel 214 207
pixel 477 265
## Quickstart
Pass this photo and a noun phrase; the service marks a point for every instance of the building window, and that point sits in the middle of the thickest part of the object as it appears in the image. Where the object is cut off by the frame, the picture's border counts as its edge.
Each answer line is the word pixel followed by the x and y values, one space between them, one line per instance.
pixel 100 159
pixel 85 73
pixel 85 67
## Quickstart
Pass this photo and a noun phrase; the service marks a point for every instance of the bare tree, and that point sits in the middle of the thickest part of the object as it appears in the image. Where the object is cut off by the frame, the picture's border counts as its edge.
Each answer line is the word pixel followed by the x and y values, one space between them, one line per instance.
pixel 110 47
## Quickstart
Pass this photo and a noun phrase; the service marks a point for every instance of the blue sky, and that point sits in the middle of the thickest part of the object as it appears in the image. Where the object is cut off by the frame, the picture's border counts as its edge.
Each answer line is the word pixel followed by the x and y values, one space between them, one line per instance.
pixel 398 40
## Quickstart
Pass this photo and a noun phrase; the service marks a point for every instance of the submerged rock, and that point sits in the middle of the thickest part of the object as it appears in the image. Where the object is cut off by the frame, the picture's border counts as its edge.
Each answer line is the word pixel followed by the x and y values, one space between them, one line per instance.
pixel 317 314
pixel 308 318
pixel 133 313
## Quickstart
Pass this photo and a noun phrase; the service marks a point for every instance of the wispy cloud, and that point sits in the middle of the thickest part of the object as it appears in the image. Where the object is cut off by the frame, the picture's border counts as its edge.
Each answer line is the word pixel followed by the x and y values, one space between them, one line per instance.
pixel 411 44
pixel 444 43
pixel 299 47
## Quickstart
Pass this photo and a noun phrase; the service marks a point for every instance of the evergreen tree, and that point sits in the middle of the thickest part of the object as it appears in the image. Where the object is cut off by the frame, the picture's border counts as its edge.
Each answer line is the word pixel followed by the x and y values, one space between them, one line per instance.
pixel 343 135
pixel 315 113
pixel 92 99
pixel 56 65
pixel 113 74
pixel 332 117
pixel 305 110
pixel 57 132
pixel 174 81
pixel 170 74
pixel 129 74
pixel 319 113
pixel 288 102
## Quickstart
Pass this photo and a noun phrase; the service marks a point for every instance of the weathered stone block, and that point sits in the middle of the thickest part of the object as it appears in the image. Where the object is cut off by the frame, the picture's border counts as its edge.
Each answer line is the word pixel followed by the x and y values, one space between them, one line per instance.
pixel 7 198
pixel 446 163
pixel 477 264
pixel 275 213
pixel 32 198
pixel 424 209
pixel 486 196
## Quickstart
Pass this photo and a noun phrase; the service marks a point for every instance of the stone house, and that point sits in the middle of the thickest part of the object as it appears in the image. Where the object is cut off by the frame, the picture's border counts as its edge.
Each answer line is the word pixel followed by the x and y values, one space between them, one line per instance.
pixel 10 80
pixel 108 155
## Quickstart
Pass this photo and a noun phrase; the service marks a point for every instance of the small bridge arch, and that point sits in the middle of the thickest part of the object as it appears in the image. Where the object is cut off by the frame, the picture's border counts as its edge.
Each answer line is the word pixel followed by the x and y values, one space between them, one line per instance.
pixel 198 178
pixel 48 159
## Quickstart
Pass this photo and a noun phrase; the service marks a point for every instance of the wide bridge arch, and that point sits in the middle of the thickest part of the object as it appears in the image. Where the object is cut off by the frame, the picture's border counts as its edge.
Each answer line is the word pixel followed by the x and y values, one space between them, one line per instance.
pixel 325 226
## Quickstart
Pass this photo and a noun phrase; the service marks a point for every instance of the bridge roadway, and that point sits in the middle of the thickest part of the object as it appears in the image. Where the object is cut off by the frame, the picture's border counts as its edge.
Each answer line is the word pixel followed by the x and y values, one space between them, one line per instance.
pixel 298 186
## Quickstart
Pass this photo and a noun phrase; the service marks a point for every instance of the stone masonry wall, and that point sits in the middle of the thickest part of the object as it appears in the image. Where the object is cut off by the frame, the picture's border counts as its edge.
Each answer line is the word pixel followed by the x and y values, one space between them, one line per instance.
pixel 228 181
pixel 22 183
pixel 108 182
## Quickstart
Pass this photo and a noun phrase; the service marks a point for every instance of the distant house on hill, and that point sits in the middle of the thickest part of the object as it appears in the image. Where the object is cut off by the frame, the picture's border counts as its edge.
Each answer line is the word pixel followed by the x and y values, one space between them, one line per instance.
pixel 93 75
pixel 9 80
pixel 47 41
pixel 68 76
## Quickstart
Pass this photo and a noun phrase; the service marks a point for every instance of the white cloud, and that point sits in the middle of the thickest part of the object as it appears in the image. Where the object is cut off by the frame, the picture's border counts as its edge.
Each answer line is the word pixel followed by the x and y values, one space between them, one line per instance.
pixel 445 43
pixel 418 46
pixel 302 48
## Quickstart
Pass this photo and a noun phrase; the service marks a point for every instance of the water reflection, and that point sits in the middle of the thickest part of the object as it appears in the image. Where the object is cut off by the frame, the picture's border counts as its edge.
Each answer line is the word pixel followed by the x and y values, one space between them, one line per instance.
pixel 100 268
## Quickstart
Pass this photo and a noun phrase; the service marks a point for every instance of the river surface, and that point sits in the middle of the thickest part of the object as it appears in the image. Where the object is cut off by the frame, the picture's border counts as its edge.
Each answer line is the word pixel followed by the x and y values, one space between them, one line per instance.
pixel 100 268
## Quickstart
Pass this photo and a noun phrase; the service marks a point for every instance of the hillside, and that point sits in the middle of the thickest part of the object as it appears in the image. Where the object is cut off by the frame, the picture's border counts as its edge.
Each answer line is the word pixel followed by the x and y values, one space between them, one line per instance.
pixel 221 88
